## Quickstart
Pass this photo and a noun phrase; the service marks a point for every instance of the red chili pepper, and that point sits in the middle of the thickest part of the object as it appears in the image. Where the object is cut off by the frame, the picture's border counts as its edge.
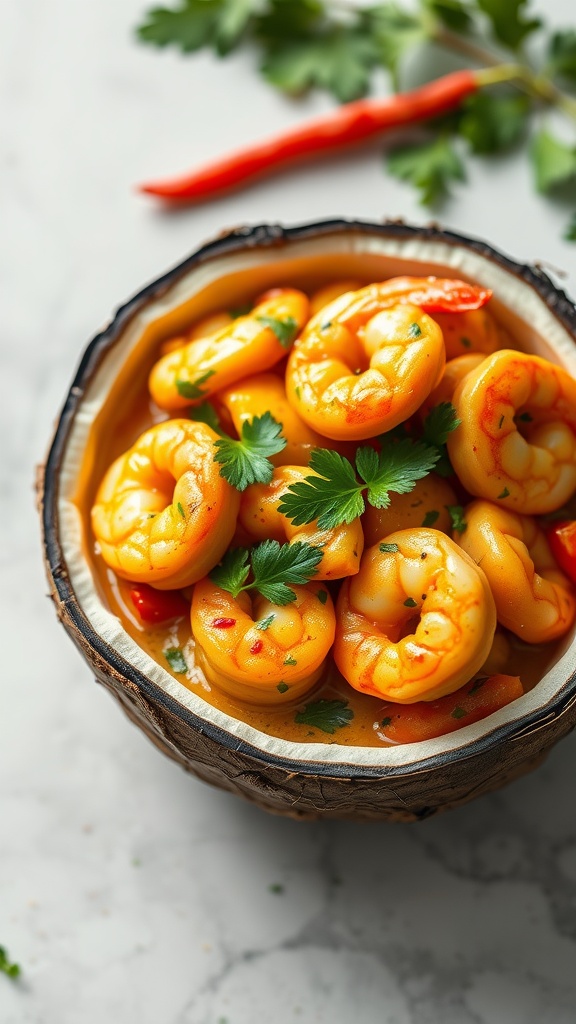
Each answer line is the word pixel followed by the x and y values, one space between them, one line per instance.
pixel 410 723
pixel 350 124
pixel 562 541
pixel 256 647
pixel 155 606
pixel 223 623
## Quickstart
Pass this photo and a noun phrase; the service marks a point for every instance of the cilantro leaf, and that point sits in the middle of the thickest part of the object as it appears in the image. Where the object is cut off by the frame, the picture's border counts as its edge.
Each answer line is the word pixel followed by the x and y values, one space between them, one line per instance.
pixel 327 715
pixel 493 123
pixel 339 59
pixel 6 967
pixel 509 26
pixel 395 31
pixel 456 513
pixel 452 13
pixel 273 566
pixel 175 658
pixel 562 54
pixel 429 166
pixel 232 572
pixel 198 23
pixel 285 330
pixel 192 389
pixel 206 413
pixel 570 233
pixel 397 468
pixel 288 19
pixel 332 497
pixel 246 461
pixel 439 423
pixel 554 162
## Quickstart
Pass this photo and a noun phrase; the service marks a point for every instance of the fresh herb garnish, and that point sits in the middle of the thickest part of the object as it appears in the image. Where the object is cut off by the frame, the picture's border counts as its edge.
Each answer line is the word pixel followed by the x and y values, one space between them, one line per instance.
pixel 458 713
pixel 456 513
pixel 414 331
pixel 282 687
pixel 6 966
pixel 327 715
pixel 285 329
pixel 429 166
pixel 336 496
pixel 430 517
pixel 478 684
pixel 290 660
pixel 206 413
pixel 311 43
pixel 389 549
pixel 246 461
pixel 264 623
pixel 322 596
pixel 437 427
pixel 193 389
pixel 505 493
pixel 181 510
pixel 410 603
pixel 273 566
pixel 385 722
pixel 176 660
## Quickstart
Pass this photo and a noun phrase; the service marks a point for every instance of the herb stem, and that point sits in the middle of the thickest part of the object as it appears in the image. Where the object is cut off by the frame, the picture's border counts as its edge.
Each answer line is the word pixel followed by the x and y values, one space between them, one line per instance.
pixel 458 44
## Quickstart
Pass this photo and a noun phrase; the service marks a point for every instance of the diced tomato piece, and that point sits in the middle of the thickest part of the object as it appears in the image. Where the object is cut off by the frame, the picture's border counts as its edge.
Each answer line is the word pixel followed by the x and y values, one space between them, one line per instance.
pixel 562 541
pixel 156 606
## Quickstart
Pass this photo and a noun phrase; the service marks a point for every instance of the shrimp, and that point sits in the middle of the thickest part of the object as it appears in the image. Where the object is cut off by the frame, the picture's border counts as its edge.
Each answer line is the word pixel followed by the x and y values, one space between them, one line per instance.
pixel 350 385
pixel 426 505
pixel 454 371
pixel 322 296
pixel 260 519
pixel 471 331
pixel 517 438
pixel 163 514
pixel 265 392
pixel 247 345
pixel 534 599
pixel 417 621
pixel 257 651
pixel 203 328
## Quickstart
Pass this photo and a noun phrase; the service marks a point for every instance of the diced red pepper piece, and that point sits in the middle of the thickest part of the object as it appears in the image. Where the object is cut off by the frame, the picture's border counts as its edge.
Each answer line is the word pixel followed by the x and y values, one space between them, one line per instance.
pixel 562 541
pixel 410 723
pixel 156 606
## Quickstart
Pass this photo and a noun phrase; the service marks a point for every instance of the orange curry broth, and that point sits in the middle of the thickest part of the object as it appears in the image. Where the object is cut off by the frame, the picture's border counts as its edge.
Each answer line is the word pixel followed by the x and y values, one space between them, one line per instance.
pixel 113 435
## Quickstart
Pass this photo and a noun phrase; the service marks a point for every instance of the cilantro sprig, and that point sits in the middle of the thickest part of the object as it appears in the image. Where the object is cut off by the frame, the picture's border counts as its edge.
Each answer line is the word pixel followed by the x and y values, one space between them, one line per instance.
pixel 336 496
pixel 436 429
pixel 246 461
pixel 306 44
pixel 271 566
pixel 7 966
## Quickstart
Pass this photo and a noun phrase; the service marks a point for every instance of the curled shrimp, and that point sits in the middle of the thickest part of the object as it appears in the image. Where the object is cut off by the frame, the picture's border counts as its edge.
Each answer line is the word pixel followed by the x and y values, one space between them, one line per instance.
pixel 253 396
pixel 350 385
pixel 260 519
pixel 203 328
pixel 517 438
pixel 257 651
pixel 426 505
pixel 322 296
pixel 417 621
pixel 247 345
pixel 163 514
pixel 472 331
pixel 534 599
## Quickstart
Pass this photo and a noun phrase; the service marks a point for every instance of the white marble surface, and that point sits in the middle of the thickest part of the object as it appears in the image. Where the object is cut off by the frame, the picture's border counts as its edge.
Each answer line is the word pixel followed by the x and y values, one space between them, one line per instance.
pixel 129 892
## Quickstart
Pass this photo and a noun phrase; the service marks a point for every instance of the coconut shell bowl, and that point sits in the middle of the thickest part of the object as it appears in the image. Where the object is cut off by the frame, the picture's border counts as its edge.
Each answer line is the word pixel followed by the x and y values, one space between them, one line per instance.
pixel 304 771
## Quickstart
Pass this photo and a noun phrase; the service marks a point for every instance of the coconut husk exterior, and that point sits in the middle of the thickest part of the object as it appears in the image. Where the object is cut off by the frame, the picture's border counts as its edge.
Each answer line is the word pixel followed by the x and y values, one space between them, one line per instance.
pixel 300 790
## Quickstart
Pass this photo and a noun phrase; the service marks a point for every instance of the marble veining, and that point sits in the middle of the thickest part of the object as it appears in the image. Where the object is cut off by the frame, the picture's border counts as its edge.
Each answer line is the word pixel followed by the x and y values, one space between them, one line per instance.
pixel 130 892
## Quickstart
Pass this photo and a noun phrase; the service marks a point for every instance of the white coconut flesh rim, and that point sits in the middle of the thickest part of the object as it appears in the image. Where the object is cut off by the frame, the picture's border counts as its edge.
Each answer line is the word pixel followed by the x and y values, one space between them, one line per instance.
pixel 515 302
